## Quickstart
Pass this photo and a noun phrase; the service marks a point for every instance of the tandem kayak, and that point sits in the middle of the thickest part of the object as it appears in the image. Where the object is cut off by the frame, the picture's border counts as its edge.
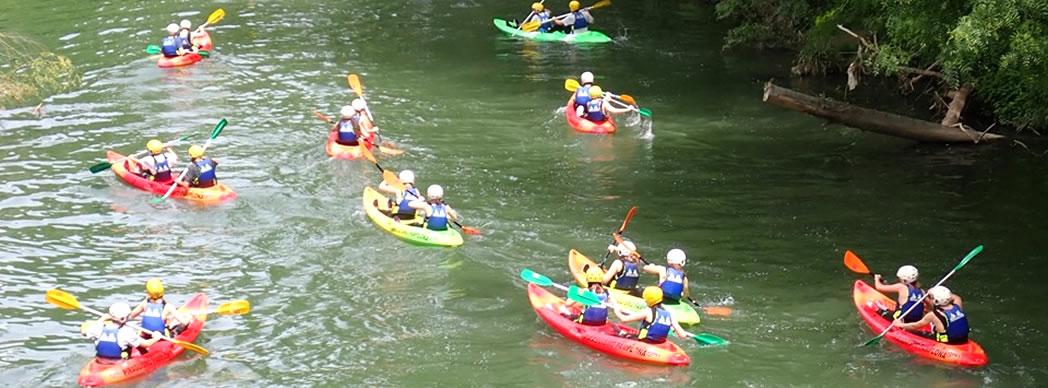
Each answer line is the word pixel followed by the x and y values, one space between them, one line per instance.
pixel 868 300
pixel 212 195
pixel 101 372
pixel 684 313
pixel 375 203
pixel 339 151
pixel 583 125
pixel 604 338
pixel 590 36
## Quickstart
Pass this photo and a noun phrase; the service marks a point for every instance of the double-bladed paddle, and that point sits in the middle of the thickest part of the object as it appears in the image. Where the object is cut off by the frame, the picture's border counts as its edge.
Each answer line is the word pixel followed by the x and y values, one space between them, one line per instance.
pixel 534 25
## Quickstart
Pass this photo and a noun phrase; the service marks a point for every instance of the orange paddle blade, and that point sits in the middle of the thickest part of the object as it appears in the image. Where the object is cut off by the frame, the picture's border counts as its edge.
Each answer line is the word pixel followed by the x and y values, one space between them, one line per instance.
pixel 717 311
pixel 354 83
pixel 628 99
pixel 469 230
pixel 854 263
pixel 629 216
pixel 322 116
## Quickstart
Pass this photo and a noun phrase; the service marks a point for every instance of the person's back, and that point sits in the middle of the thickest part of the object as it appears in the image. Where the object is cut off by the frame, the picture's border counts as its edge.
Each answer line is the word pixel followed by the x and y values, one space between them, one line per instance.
pixel 170 46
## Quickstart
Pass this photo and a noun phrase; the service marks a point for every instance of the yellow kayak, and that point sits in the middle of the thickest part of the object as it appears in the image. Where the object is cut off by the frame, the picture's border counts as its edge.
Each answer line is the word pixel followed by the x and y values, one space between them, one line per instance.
pixel 375 204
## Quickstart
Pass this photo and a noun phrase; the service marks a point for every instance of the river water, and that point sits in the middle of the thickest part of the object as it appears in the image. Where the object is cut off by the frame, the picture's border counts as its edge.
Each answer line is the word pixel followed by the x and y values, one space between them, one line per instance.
pixel 765 201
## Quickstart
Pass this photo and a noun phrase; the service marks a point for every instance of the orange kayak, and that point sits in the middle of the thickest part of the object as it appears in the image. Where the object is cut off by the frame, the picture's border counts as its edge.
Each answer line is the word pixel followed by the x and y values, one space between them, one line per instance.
pixel 339 151
pixel 212 195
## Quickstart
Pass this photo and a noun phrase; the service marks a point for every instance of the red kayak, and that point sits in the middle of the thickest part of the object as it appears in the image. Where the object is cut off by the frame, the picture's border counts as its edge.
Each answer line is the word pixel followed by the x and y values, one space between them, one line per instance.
pixel 212 195
pixel 101 372
pixel 583 125
pixel 604 339
pixel 868 300
pixel 203 42
pixel 339 151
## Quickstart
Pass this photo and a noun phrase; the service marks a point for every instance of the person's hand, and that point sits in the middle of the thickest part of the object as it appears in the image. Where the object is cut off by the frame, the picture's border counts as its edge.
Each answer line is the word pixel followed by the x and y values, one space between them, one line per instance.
pixel 612 248
pixel 877 277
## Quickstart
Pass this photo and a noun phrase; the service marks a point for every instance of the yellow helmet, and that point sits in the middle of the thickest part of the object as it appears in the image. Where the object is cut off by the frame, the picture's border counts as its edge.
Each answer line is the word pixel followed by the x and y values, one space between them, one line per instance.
pixel 537 7
pixel 196 151
pixel 594 275
pixel 155 288
pixel 595 91
pixel 652 295
pixel 573 5
pixel 155 146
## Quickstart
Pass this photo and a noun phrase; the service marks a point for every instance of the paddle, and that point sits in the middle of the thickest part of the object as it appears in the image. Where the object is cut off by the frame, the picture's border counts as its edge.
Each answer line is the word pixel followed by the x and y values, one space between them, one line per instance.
pixel 236 307
pixel 214 133
pixel 628 101
pixel 854 263
pixel 964 261
pixel 106 165
pixel 622 228
pixel 358 88
pixel 67 301
pixel 534 25
pixel 529 15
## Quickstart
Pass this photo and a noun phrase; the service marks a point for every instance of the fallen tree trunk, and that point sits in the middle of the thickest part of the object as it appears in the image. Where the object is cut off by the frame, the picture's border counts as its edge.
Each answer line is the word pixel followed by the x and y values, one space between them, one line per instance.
pixel 872 120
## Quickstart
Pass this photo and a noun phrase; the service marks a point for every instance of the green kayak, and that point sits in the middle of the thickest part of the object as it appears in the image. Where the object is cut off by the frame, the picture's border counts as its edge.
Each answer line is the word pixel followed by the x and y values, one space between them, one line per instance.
pixel 590 36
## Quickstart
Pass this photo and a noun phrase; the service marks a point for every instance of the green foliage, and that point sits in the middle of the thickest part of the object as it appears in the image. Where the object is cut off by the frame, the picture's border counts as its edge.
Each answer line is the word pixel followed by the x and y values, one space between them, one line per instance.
pixel 29 72
pixel 767 24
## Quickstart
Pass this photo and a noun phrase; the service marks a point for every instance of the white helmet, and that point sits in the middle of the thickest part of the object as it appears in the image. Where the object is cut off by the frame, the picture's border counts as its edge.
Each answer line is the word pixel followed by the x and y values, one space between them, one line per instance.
pixel 626 248
pixel 907 273
pixel 172 28
pixel 586 78
pixel 941 295
pixel 119 310
pixel 407 176
pixel 186 23
pixel 347 112
pixel 676 256
pixel 435 191
pixel 358 104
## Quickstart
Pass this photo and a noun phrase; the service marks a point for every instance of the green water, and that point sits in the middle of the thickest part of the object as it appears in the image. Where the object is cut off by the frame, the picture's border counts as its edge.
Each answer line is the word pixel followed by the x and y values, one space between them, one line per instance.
pixel 765 202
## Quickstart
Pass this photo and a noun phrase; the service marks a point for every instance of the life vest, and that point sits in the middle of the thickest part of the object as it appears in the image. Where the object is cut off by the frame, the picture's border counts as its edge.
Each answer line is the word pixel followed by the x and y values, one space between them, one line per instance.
pixel 186 36
pixel 162 166
pixel 956 323
pixel 153 316
pixel 582 96
pixel 108 343
pixel 410 194
pixel 657 330
pixel 347 130
pixel 595 110
pixel 916 297
pixel 544 19
pixel 169 46
pixel 207 177
pixel 580 22
pixel 597 314
pixel 439 219
pixel 673 286
pixel 628 278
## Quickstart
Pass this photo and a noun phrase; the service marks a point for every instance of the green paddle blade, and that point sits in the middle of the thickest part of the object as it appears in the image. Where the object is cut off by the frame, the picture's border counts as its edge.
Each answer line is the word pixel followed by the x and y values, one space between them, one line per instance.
pixel 100 167
pixel 218 128
pixel 644 112
pixel 532 277
pixel 152 49
pixel 583 296
pixel 204 53
pixel 872 341
pixel 966 259
pixel 707 339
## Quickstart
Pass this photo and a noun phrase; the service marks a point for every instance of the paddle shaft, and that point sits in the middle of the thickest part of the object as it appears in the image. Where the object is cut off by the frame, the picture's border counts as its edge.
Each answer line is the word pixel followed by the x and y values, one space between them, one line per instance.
pixel 529 16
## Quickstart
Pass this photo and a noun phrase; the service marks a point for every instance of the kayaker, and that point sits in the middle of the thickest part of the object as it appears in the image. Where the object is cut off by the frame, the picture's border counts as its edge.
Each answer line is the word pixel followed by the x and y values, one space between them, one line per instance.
pixel 577 21
pixel 624 272
pixel 201 169
pixel 185 35
pixel 114 340
pixel 672 279
pixel 542 15
pixel 582 96
pixel 437 212
pixel 401 206
pixel 158 164
pixel 157 315
pixel 949 321
pixel 354 124
pixel 908 292
pixel 595 315
pixel 655 321
pixel 171 47
pixel 599 107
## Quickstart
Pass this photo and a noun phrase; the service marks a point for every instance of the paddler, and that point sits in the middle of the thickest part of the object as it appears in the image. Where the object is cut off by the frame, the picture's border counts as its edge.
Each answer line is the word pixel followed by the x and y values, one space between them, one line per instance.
pixel 158 164
pixel 672 279
pixel 582 96
pixel 908 292
pixel 157 315
pixel 114 340
pixel 185 35
pixel 595 315
pixel 436 211
pixel 171 46
pixel 401 205
pixel 624 272
pixel 577 21
pixel 354 124
pixel 599 107
pixel 949 321
pixel 201 169
pixel 656 321
pixel 541 14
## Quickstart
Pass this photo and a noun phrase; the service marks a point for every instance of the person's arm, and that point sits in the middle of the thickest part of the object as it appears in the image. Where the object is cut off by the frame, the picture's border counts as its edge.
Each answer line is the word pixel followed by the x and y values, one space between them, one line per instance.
pixel 611 108
pixel 334 127
pixel 630 317
pixel 453 214
pixel 925 321
pixel 680 330
pixel 957 301
pixel 586 14
pixel 685 292
pixel 386 188
pixel 191 175
pixel 615 267
pixel 421 205
pixel 882 287
pixel 137 310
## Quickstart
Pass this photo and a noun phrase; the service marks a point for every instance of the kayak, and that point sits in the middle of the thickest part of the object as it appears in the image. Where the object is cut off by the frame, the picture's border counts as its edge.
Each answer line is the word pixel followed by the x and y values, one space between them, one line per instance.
pixel 101 372
pixel 212 195
pixel 339 151
pixel 375 203
pixel 589 36
pixel 583 125
pixel 181 60
pixel 684 313
pixel 868 300
pixel 604 338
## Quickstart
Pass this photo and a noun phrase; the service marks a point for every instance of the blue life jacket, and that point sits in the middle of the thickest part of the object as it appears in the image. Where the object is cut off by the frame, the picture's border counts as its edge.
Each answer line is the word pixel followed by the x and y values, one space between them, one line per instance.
pixel 162 166
pixel 544 18
pixel 595 110
pixel 439 219
pixel 597 314
pixel 629 277
pixel 169 46
pixel 956 323
pixel 409 195
pixel 916 297
pixel 582 96
pixel 580 21
pixel 207 173
pixel 659 328
pixel 673 286
pixel 108 345
pixel 347 130
pixel 153 317
pixel 186 41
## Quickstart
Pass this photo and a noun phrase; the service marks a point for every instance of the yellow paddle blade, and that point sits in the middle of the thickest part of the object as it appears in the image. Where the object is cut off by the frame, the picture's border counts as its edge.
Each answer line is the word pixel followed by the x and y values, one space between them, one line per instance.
pixel 571 85
pixel 392 180
pixel 216 16
pixel 367 153
pixel 628 99
pixel 191 347
pixel 600 4
pixel 354 83
pixel 531 26
pixel 236 307
pixel 62 299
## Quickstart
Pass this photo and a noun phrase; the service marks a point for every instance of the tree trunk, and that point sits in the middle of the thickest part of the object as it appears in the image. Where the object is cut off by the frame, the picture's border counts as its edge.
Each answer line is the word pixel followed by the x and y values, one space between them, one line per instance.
pixel 957 101
pixel 871 120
